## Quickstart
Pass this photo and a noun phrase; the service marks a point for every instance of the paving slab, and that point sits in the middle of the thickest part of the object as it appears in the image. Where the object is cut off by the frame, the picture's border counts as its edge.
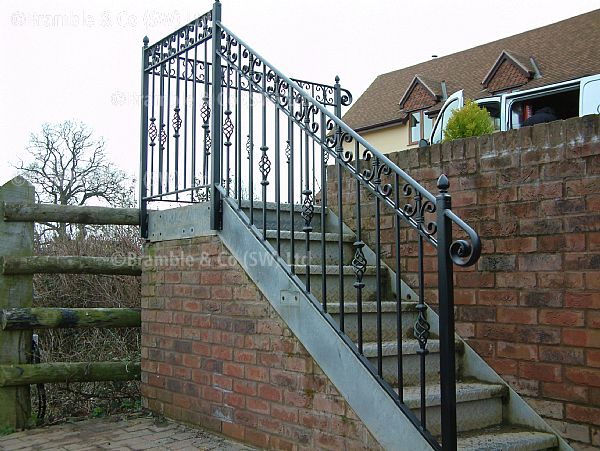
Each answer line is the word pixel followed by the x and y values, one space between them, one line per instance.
pixel 135 433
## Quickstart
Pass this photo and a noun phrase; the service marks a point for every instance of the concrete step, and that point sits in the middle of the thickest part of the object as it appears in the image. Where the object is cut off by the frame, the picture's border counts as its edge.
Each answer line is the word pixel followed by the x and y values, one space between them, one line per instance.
pixel 349 277
pixel 506 438
pixel 369 319
pixel 411 368
pixel 315 256
pixel 285 216
pixel 478 405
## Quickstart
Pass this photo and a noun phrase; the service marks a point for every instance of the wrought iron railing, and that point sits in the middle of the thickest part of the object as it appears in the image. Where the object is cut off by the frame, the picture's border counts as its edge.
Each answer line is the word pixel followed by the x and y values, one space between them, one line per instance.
pixel 203 149
pixel 177 78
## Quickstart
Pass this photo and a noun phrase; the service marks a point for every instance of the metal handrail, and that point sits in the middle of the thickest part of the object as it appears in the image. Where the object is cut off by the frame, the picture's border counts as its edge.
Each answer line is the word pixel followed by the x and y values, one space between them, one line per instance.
pixel 464 253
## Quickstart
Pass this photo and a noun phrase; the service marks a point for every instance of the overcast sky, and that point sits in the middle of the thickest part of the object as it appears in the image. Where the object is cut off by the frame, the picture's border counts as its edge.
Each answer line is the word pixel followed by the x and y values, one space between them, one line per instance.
pixel 81 60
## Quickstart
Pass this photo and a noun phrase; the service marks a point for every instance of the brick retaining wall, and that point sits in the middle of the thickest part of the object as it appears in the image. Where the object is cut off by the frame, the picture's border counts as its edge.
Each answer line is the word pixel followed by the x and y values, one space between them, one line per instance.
pixel 216 354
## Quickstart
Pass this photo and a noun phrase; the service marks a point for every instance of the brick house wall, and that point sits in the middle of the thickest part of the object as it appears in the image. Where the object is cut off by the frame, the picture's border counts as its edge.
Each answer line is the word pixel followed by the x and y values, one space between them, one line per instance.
pixel 531 307
pixel 216 354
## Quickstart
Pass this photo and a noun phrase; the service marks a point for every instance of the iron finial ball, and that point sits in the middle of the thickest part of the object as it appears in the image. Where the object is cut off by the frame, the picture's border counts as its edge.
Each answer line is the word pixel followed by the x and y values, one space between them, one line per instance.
pixel 443 184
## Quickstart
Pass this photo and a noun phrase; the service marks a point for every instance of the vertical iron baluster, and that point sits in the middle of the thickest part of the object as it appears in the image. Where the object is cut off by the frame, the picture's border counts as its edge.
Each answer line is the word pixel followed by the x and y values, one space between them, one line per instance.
pixel 397 224
pixel 205 112
pixel 308 208
pixel 446 309
pixel 177 122
pixel 221 149
pixel 161 129
pixel 314 168
pixel 291 181
pixel 314 161
pixel 277 167
pixel 377 183
pixel 238 134
pixel 300 157
pixel 216 222
pixel 144 142
pixel 359 262
pixel 264 164
pixel 205 116
pixel 228 130
pixel 152 132
pixel 421 326
pixel 250 144
pixel 168 127
pixel 194 120
pixel 324 152
pixel 339 150
pixel 185 115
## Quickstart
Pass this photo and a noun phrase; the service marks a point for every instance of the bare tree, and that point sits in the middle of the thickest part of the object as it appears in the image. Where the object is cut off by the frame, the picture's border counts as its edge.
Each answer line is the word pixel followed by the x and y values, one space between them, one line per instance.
pixel 69 167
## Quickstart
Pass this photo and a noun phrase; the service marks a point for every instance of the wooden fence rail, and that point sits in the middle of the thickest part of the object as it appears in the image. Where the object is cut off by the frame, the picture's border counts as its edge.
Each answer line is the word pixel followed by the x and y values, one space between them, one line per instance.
pixel 18 212
pixel 41 373
pixel 52 264
pixel 64 318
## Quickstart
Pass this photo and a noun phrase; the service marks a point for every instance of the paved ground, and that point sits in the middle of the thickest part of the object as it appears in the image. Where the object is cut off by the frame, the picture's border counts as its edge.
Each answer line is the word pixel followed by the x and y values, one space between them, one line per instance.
pixel 140 433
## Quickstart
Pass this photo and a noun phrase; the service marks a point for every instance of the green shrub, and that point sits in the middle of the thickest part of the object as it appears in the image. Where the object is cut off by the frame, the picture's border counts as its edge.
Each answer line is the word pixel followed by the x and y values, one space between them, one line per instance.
pixel 470 120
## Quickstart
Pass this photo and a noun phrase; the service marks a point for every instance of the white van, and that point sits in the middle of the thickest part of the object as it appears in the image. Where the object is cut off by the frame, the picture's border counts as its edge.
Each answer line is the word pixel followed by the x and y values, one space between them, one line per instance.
pixel 567 99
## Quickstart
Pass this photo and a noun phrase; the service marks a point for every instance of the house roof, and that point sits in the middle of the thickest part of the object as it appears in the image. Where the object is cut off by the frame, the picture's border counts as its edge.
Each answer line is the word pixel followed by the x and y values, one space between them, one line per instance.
pixel 561 51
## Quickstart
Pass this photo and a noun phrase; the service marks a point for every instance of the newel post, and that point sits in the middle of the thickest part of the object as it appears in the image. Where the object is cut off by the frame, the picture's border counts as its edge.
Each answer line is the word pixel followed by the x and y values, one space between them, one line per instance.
pixel 16 240
pixel 216 214
pixel 446 313
pixel 144 142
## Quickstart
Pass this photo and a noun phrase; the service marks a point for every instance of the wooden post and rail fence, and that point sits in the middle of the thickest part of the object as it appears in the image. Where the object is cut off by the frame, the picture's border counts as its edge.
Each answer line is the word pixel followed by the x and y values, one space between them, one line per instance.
pixel 18 213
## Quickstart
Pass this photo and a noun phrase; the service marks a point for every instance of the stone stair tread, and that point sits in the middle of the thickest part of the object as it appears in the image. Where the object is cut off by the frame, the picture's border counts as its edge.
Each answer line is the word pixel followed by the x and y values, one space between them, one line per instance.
pixel 476 398
pixel 370 307
pixel 506 438
pixel 313 236
pixel 465 392
pixel 282 206
pixel 409 346
pixel 334 269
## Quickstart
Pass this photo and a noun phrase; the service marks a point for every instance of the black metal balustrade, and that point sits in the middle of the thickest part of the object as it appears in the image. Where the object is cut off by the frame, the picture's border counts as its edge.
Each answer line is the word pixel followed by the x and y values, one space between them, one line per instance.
pixel 221 124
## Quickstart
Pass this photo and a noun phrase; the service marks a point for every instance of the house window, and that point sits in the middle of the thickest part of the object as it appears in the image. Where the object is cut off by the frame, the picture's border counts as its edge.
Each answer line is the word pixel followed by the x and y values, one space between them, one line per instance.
pixel 420 126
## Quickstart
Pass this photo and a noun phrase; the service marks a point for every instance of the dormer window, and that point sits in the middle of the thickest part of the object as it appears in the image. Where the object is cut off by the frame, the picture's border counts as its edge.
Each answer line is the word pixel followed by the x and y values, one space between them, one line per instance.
pixel 509 71
pixel 418 97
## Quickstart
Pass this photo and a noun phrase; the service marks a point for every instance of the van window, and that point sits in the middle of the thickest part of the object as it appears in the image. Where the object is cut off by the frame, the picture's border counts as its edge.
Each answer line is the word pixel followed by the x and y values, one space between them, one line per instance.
pixel 565 104
pixel 443 121
pixel 590 96
pixel 494 109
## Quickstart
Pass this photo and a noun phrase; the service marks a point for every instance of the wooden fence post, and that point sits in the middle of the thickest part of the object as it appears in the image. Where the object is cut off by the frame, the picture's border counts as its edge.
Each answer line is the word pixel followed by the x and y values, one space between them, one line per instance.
pixel 16 239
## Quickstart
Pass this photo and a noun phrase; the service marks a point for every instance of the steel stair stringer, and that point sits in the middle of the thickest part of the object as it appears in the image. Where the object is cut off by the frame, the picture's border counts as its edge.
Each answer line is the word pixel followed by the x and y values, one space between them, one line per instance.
pixel 320 338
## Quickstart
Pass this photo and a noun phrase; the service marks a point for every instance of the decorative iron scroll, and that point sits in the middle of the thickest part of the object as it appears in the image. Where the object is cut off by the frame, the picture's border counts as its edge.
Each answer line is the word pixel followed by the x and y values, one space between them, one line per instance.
pixel 378 177
pixel 324 94
pixel 186 38
pixel 190 69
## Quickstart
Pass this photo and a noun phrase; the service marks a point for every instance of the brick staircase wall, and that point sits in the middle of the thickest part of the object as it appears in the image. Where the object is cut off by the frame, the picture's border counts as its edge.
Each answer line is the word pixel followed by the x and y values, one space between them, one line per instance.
pixel 216 354
pixel 531 307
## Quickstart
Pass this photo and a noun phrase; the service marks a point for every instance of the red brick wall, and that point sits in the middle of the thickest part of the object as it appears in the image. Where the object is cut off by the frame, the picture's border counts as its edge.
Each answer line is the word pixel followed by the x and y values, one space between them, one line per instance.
pixel 531 307
pixel 216 354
